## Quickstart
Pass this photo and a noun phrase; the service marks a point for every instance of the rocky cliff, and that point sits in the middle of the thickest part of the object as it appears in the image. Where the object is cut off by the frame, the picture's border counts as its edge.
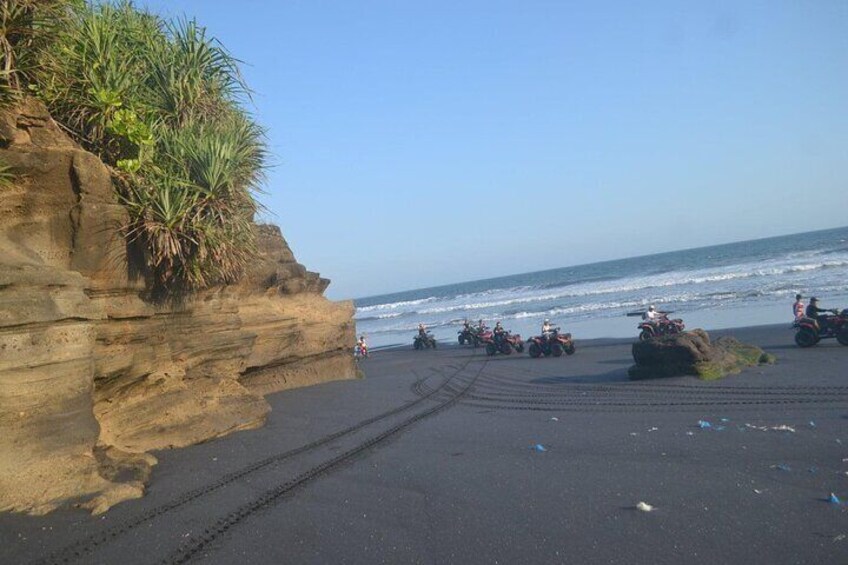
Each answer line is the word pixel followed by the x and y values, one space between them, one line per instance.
pixel 93 375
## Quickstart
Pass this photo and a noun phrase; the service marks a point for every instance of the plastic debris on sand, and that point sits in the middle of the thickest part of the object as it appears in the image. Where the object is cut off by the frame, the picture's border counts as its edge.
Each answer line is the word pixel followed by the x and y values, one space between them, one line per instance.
pixel 539 447
pixel 833 499
pixel 780 428
pixel 644 507
pixel 782 467
pixel 704 425
pixel 554 419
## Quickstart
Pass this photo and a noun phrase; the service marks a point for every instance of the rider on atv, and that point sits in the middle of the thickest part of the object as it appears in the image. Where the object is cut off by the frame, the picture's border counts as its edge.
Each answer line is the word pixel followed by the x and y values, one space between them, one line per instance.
pixel 548 330
pixel 813 311
pixel 653 315
pixel 498 333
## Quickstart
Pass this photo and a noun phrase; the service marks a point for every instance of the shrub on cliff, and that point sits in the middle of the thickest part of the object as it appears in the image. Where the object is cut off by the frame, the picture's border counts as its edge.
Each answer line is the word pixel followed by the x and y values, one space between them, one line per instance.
pixel 163 105
pixel 26 27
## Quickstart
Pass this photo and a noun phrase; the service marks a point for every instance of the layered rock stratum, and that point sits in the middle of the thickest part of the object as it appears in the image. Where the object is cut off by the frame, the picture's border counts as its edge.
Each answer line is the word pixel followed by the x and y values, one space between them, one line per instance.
pixel 93 374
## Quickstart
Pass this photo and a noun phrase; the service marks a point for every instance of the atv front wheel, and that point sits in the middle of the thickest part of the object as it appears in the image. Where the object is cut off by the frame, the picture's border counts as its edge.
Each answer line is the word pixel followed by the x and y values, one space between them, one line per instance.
pixel 491 349
pixel 645 335
pixel 520 347
pixel 506 348
pixel 535 351
pixel 806 337
pixel 569 349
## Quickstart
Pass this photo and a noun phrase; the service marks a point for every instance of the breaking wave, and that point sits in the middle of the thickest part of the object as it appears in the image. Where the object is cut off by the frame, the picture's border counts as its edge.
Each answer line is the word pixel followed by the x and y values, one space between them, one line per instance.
pixel 687 283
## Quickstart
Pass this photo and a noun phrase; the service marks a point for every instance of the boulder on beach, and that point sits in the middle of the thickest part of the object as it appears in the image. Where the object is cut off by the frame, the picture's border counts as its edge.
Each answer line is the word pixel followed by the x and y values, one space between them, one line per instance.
pixel 692 353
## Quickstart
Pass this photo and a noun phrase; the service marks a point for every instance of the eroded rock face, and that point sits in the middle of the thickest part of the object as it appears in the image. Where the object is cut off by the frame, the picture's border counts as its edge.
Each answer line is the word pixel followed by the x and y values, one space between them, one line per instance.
pixel 92 376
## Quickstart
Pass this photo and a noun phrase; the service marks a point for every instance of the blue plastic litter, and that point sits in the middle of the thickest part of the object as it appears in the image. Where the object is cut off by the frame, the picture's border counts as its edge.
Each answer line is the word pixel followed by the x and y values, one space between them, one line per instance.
pixel 812 424
pixel 783 467
pixel 834 499
pixel 725 420
pixel 539 447
pixel 704 425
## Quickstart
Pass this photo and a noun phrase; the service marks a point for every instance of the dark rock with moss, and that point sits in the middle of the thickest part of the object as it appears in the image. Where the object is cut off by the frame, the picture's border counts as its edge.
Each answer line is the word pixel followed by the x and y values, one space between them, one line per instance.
pixel 692 353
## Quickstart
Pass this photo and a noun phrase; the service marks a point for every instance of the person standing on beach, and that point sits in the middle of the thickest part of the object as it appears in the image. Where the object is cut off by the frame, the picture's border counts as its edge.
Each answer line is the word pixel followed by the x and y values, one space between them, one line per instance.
pixel 362 347
pixel 798 307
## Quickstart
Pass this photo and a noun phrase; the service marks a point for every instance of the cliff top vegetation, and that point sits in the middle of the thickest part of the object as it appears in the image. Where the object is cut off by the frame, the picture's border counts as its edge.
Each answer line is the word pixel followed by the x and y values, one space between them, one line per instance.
pixel 163 105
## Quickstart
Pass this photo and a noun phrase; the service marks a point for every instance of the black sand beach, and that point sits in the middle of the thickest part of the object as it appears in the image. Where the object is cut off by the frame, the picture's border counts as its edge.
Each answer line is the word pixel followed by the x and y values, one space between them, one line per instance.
pixel 429 460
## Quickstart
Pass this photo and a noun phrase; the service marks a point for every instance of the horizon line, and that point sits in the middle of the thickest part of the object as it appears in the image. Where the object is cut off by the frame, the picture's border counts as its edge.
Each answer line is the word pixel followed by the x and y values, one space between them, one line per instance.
pixel 596 263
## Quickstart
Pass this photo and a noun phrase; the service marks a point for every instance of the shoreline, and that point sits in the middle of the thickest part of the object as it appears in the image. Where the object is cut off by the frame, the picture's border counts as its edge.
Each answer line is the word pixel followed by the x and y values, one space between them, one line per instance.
pixel 605 340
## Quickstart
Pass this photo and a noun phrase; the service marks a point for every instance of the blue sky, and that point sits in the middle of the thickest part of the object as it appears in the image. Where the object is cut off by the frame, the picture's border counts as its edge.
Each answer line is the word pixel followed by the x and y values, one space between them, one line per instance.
pixel 425 143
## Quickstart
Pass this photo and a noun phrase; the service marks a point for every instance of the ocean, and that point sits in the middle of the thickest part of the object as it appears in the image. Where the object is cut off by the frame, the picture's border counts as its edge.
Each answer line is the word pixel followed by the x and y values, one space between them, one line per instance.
pixel 737 284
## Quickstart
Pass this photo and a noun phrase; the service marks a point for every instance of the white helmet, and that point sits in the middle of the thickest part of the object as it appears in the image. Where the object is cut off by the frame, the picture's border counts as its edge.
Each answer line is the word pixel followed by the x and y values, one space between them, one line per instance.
pixel 651 308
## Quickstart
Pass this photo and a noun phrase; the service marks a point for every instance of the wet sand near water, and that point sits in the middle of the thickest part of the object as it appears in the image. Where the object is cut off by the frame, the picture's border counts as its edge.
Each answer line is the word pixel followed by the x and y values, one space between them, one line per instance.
pixel 433 458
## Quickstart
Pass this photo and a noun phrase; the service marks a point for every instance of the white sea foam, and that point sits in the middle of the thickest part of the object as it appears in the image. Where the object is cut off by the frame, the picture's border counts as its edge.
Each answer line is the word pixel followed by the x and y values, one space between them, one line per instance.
pixel 396 305
pixel 821 271
pixel 503 298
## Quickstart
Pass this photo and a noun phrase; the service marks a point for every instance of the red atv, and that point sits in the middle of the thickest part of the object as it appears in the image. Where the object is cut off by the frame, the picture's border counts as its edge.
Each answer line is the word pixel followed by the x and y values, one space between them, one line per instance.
pixel 650 329
pixel 503 342
pixel 810 332
pixel 552 343
pixel 486 338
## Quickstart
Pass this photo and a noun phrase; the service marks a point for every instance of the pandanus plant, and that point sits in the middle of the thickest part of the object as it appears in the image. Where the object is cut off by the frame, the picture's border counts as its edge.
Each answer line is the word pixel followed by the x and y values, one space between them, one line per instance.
pixel 162 103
